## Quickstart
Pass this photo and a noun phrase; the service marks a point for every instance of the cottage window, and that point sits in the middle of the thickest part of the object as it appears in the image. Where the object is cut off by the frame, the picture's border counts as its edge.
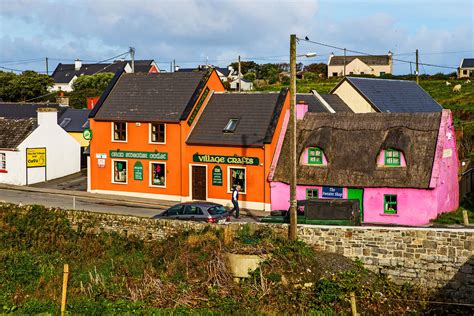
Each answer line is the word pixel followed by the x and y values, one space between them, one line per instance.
pixel 231 126
pixel 157 133
pixel 390 204
pixel 464 72
pixel 120 131
pixel 3 161
pixel 158 174
pixel 334 74
pixel 362 73
pixel 382 73
pixel 392 157
pixel 315 156
pixel 119 171
pixel 311 194
pixel 237 177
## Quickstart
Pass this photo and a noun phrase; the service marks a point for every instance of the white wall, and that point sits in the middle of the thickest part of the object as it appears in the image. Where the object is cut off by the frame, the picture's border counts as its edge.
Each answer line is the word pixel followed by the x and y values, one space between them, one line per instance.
pixel 245 85
pixel 15 168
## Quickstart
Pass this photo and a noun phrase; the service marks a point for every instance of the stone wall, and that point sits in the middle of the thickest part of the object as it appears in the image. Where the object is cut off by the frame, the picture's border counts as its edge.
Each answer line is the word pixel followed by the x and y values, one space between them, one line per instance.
pixel 440 259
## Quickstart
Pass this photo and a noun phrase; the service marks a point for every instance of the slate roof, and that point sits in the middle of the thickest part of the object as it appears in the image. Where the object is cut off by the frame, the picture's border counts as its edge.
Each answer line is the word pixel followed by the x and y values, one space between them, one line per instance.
pixel 157 97
pixel 375 60
pixel 257 113
pixel 336 103
pixel 224 71
pixel 16 110
pixel 13 132
pixel 74 120
pixel 387 95
pixel 352 142
pixel 467 63
pixel 314 105
pixel 65 72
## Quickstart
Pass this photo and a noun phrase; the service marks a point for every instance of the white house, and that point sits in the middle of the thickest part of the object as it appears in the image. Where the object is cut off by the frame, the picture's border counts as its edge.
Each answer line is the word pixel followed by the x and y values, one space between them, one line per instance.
pixel 245 85
pixel 377 65
pixel 41 144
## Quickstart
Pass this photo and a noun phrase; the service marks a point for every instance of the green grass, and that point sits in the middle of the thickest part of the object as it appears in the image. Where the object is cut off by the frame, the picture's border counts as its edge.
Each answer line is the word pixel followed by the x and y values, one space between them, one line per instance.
pixel 454 217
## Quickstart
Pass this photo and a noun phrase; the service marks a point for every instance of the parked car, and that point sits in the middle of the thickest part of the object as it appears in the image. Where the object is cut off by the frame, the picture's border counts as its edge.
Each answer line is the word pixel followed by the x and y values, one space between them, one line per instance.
pixel 196 211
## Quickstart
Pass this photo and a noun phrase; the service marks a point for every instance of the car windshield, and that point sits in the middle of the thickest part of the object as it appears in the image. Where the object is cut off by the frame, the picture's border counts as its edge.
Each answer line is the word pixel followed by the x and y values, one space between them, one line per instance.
pixel 216 210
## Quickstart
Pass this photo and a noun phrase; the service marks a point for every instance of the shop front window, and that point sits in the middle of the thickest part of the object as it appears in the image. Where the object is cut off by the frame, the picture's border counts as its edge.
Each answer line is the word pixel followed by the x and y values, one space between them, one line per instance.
pixel 237 177
pixel 158 174
pixel 120 171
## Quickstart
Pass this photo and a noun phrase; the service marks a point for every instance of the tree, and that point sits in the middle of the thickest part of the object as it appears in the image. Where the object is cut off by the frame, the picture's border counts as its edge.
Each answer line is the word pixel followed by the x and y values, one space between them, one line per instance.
pixel 250 76
pixel 245 66
pixel 317 68
pixel 24 86
pixel 98 81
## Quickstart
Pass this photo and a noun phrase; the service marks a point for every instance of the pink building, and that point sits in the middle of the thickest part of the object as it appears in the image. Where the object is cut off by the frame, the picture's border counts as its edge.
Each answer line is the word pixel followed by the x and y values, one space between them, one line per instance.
pixel 402 167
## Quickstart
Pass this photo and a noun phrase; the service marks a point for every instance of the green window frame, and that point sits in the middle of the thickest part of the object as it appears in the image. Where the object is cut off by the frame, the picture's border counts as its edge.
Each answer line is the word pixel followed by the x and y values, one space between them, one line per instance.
pixel 392 157
pixel 390 204
pixel 315 156
pixel 312 194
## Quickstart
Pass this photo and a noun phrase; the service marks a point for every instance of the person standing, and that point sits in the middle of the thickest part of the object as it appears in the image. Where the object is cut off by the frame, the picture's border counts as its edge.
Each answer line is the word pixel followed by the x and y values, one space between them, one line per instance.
pixel 235 201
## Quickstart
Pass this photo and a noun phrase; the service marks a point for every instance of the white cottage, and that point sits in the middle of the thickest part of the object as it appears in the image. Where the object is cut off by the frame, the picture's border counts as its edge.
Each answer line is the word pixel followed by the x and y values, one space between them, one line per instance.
pixel 36 150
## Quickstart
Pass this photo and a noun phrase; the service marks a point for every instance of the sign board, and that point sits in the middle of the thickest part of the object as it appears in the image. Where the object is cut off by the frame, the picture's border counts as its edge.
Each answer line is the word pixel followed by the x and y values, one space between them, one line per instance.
pixel 217 176
pixel 230 160
pixel 87 134
pixel 35 157
pixel 198 106
pixel 138 171
pixel 139 155
pixel 100 156
pixel 101 162
pixel 332 192
pixel 448 152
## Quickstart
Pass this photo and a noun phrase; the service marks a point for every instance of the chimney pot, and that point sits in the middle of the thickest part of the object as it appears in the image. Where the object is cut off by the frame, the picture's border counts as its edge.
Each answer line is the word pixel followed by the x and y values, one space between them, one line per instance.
pixel 78 64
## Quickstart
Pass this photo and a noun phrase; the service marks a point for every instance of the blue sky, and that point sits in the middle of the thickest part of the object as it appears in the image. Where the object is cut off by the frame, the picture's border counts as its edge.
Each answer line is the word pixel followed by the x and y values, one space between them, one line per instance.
pixel 190 31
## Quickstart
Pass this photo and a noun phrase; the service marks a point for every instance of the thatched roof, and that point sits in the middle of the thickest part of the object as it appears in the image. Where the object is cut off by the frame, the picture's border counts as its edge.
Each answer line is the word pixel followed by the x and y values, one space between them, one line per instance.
pixel 352 142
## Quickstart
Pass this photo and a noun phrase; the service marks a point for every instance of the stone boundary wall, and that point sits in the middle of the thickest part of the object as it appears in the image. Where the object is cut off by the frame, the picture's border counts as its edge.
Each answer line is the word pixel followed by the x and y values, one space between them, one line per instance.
pixel 434 258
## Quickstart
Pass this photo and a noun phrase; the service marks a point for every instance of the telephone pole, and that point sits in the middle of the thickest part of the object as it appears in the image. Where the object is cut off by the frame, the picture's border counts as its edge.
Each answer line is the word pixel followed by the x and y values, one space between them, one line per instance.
pixel 47 72
pixel 240 75
pixel 132 57
pixel 344 62
pixel 293 219
pixel 417 69
pixel 174 65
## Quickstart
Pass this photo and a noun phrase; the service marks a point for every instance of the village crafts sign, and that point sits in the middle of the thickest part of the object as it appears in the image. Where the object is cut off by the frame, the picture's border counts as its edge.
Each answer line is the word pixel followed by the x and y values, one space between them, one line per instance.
pixel 229 160
pixel 139 155
pixel 198 106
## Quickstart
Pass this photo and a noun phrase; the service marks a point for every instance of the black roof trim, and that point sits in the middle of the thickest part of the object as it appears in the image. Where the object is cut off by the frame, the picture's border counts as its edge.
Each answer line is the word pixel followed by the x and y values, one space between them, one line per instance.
pixel 276 114
pixel 106 93
pixel 192 101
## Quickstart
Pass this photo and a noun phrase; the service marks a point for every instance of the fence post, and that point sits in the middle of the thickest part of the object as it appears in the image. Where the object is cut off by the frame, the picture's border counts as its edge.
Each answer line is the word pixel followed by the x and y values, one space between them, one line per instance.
pixel 353 304
pixel 73 202
pixel 465 217
pixel 63 297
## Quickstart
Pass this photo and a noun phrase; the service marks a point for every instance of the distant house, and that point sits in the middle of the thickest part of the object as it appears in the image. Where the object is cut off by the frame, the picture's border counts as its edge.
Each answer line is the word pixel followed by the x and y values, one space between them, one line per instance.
pixel 364 95
pixel 466 68
pixel 377 65
pixel 245 85
pixel 65 74
pixel 225 74
pixel 35 150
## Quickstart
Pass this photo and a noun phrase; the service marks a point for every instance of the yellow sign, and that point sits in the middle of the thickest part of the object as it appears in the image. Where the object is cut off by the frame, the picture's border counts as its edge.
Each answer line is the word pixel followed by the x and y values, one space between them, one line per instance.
pixel 35 157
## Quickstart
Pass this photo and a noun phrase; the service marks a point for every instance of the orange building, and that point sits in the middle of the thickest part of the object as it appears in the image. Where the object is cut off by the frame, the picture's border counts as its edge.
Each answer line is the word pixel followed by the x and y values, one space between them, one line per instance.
pixel 180 137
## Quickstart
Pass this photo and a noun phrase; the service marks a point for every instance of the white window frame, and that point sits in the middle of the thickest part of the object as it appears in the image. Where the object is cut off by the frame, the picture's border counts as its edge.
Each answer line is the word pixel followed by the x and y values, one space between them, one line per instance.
pixel 229 183
pixel 149 134
pixel 3 161
pixel 113 171
pixel 150 173
pixel 113 133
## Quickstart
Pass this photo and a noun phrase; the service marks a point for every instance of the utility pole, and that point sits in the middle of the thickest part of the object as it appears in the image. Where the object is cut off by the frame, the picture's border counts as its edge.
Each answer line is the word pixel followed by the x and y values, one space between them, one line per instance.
pixel 171 66
pixel 132 56
pixel 344 62
pixel 174 65
pixel 292 124
pixel 240 75
pixel 417 69
pixel 47 72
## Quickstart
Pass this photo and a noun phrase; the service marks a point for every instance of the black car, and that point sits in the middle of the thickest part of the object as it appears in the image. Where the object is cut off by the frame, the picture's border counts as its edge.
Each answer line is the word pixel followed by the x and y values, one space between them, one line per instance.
pixel 196 211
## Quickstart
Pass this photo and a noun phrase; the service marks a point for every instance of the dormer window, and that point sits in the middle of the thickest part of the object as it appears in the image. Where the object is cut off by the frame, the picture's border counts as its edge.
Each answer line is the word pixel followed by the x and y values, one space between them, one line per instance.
pixel 392 157
pixel 231 126
pixel 315 156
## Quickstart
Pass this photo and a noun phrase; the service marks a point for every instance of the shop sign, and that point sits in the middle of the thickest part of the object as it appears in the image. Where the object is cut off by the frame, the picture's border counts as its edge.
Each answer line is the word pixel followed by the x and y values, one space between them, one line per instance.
pixel 217 176
pixel 198 106
pixel 100 156
pixel 35 157
pixel 139 155
pixel 101 162
pixel 87 134
pixel 138 171
pixel 229 160
pixel 332 193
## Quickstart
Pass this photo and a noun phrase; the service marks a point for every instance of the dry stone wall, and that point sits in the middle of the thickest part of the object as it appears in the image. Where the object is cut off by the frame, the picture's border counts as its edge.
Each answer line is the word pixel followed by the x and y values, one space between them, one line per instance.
pixel 440 259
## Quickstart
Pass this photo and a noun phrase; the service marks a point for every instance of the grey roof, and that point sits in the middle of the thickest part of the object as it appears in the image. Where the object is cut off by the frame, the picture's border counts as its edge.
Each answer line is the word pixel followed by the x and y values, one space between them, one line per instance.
pixel 387 95
pixel 224 71
pixel 352 142
pixel 65 72
pixel 17 110
pixel 13 132
pixel 257 113
pixel 467 63
pixel 314 105
pixel 165 97
pixel 74 120
pixel 369 60
pixel 336 103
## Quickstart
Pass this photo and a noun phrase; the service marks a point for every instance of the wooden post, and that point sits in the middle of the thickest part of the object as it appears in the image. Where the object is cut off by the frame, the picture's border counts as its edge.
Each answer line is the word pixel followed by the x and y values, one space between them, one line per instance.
pixel 73 202
pixel 63 297
pixel 292 124
pixel 417 68
pixel 465 217
pixel 228 235
pixel 353 304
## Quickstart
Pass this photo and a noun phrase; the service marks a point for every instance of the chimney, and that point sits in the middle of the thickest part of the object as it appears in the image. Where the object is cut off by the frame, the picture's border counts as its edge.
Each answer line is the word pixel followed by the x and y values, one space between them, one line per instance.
pixel 77 64
pixel 301 109
pixel 47 116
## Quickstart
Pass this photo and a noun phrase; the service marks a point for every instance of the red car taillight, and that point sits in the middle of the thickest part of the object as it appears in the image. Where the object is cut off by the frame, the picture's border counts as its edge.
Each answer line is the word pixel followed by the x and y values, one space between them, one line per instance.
pixel 211 220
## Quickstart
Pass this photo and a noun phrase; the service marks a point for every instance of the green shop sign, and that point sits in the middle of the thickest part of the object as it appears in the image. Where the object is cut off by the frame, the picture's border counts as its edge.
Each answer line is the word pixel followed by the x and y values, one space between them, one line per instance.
pixel 138 171
pixel 138 155
pixel 229 160
pixel 198 106
pixel 217 176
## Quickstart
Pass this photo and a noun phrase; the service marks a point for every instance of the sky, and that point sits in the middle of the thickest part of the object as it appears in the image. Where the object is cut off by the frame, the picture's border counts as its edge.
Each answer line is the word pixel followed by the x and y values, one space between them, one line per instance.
pixel 191 31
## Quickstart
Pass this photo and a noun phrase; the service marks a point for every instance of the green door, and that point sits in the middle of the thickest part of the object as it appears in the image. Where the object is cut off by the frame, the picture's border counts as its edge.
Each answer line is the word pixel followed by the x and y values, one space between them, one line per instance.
pixel 357 194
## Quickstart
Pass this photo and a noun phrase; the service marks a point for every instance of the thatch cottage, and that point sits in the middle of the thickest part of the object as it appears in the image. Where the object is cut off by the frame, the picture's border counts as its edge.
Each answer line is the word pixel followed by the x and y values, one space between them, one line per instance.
pixel 402 167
